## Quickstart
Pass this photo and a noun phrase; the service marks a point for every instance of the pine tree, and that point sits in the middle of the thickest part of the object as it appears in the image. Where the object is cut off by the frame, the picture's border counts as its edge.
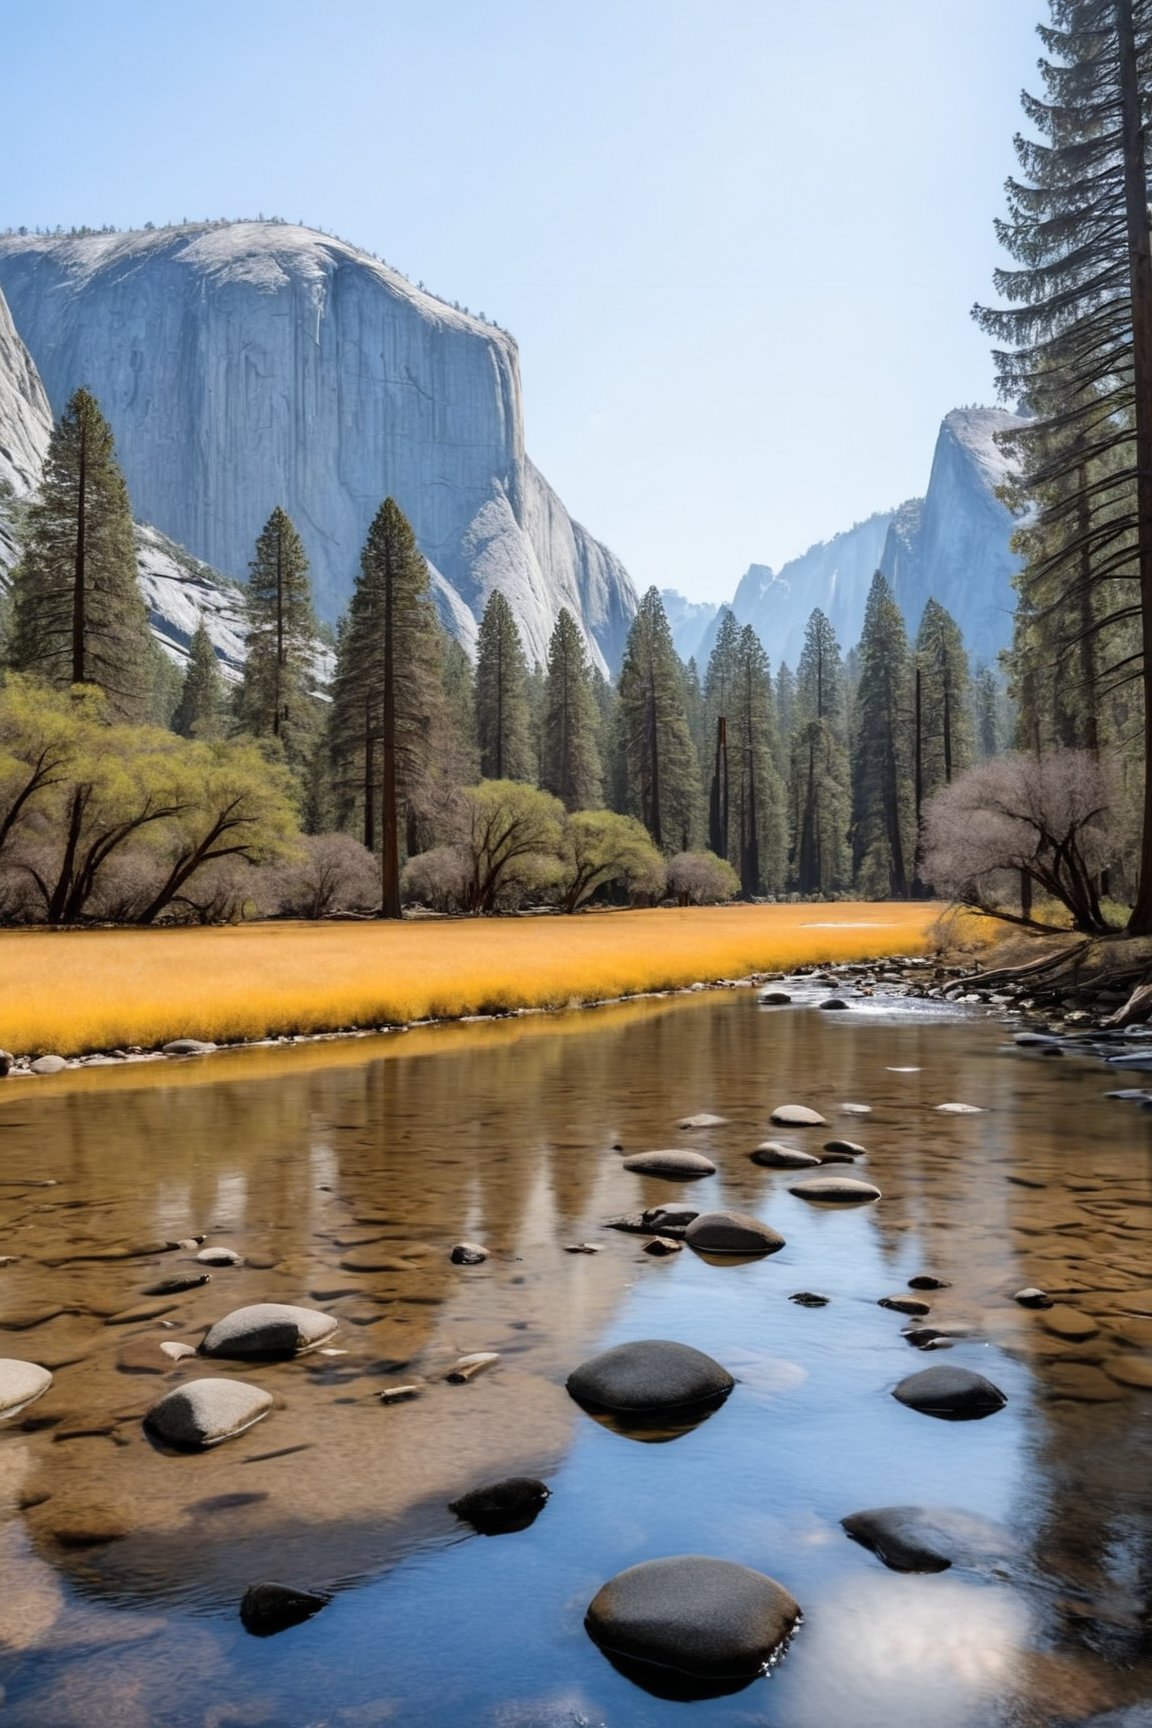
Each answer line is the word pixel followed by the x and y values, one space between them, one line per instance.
pixel 1079 335
pixel 78 616
pixel 275 699
pixel 882 814
pixel 818 798
pixel 503 716
pixel 785 716
pixel 758 840
pixel 944 730
pixel 986 713
pixel 657 746
pixel 459 686
pixel 570 759
pixel 387 720
pixel 199 711
pixel 719 689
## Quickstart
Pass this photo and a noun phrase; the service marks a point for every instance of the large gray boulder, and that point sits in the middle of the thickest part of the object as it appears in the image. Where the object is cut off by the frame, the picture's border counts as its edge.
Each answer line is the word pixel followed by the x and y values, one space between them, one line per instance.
pixel 204 1413
pixel 732 1233
pixel 708 1618
pixel 267 1329
pixel 650 1374
pixel 20 1384
pixel 673 1162
pixel 956 1394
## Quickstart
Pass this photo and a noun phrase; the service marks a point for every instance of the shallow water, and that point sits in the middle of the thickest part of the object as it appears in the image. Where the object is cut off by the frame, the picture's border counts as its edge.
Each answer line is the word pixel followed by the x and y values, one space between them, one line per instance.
pixel 344 1177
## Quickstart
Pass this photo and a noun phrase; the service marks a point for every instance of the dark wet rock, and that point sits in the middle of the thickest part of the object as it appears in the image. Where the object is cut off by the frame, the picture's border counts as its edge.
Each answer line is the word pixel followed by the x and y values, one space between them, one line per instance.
pixel 834 1004
pixel 650 1374
pixel 732 1233
pixel 775 998
pixel 268 1329
pixel 927 1538
pixel 928 1281
pixel 704 1120
pixel 206 1412
pixel 1032 1298
pixel 775 1155
pixel 21 1383
pixel 835 1190
pixel 499 1508
pixel 1035 1040
pixel 270 1608
pixel 632 1222
pixel 219 1256
pixel 661 1246
pixel 48 1065
pixel 671 1220
pixel 189 1047
pixel 910 1305
pixel 468 1254
pixel 936 1337
pixel 956 1394
pixel 843 1149
pixel 797 1116
pixel 582 1248
pixel 6 1061
pixel 809 1299
pixel 708 1618
pixel 675 1164
pixel 174 1286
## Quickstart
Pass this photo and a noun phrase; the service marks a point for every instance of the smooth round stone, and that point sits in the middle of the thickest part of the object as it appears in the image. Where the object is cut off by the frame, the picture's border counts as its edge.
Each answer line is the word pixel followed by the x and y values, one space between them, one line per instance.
pixel 910 1305
pixel 1033 1298
pixel 499 1508
pixel 468 1254
pixel 189 1047
pixel 266 1609
pixel 775 1155
pixel 704 1120
pixel 856 1109
pixel 709 1618
pixel 268 1329
pixel 651 1374
pixel 673 1163
pixel 797 1116
pixel 956 1394
pixel 835 1190
pixel 207 1412
pixel 926 1538
pixel 844 1148
pixel 834 1004
pixel 732 1233
pixel 220 1257
pixel 20 1384
pixel 959 1110
pixel 50 1064
pixel 661 1246
pixel 928 1281
pixel 774 999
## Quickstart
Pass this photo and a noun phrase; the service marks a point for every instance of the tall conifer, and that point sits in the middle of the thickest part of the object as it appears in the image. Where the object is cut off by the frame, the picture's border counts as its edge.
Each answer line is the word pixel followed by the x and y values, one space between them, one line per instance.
pixel 275 699
pixel 654 736
pixel 503 713
pixel 570 759
pixel 882 796
pixel 818 797
pixel 199 710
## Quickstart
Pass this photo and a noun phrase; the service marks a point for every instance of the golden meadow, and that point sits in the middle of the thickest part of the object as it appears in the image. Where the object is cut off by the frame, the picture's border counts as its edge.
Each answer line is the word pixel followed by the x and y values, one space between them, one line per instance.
pixel 88 990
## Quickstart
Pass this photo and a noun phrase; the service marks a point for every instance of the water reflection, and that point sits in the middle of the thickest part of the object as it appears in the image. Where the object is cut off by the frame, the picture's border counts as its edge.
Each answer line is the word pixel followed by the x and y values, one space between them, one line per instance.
pixel 343 1175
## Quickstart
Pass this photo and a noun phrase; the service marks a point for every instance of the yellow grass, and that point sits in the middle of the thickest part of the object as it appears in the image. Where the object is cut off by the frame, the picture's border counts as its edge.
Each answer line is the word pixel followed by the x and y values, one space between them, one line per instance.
pixel 101 989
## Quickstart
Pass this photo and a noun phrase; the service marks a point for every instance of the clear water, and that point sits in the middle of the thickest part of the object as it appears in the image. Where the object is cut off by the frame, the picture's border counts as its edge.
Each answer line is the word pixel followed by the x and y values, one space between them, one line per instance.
pixel 344 1174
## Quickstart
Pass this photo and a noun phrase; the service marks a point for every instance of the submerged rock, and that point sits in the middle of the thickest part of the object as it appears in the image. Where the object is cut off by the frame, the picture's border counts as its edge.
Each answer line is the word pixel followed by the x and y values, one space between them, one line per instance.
pixel 499 1508
pixel 21 1383
pixel 266 1609
pixel 704 1120
pixel 709 1618
pixel 204 1413
pixel 661 1246
pixel 650 1374
pixel 732 1233
pixel 959 1110
pixel 910 1305
pixel 955 1394
pixel 671 1220
pixel 673 1163
pixel 268 1329
pixel 174 1286
pixel 833 1004
pixel 926 1538
pixel 774 999
pixel 809 1299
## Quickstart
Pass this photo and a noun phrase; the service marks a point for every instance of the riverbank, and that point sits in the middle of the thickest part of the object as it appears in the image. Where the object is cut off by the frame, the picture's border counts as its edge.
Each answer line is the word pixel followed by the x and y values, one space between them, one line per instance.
pixel 79 992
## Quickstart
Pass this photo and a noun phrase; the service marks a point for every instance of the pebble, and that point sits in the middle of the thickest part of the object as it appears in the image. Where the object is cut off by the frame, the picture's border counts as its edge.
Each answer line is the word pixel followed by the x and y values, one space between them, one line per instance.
pixel 500 1508
pixel 774 999
pixel 468 1254
pixel 220 1257
pixel 704 1120
pixel 205 1413
pixel 928 1281
pixel 959 1110
pixel 21 1383
pixel 649 1374
pixel 583 1247
pixel 835 1190
pixel 797 1116
pixel 675 1164
pixel 955 1394
pixel 845 1148
pixel 809 1299
pixel 268 1329
pixel 1032 1298
pixel 670 1220
pixel 662 1245
pixel 856 1109
pixel 712 1619
pixel 833 1004
pixel 775 1155
pixel 910 1305
pixel 188 1047
pixel 266 1609
pixel 732 1233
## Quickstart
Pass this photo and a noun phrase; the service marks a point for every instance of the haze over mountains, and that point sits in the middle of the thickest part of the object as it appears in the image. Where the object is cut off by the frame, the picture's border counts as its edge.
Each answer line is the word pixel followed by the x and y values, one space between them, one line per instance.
pixel 251 363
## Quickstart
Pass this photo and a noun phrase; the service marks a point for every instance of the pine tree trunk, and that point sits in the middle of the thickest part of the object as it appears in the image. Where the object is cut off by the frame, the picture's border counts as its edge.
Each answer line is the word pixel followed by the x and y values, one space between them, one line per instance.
pixel 369 781
pixel 80 574
pixel 276 686
pixel 389 824
pixel 1088 667
pixel 1140 277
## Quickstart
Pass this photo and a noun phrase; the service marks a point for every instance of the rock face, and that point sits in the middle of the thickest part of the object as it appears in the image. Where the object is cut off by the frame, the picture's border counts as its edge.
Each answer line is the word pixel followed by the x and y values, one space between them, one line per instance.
pixel 247 363
pixel 651 1374
pixel 25 425
pixel 709 1618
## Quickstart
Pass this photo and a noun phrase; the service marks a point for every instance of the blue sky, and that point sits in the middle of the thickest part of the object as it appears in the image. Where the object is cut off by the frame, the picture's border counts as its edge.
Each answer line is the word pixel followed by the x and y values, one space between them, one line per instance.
pixel 737 240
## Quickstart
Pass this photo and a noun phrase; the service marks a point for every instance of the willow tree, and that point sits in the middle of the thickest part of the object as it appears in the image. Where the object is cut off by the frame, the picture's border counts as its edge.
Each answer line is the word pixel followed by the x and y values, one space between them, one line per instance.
pixel 503 711
pixel 1077 331
pixel 657 749
pixel 275 698
pixel 570 759
pixel 388 699
pixel 77 613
